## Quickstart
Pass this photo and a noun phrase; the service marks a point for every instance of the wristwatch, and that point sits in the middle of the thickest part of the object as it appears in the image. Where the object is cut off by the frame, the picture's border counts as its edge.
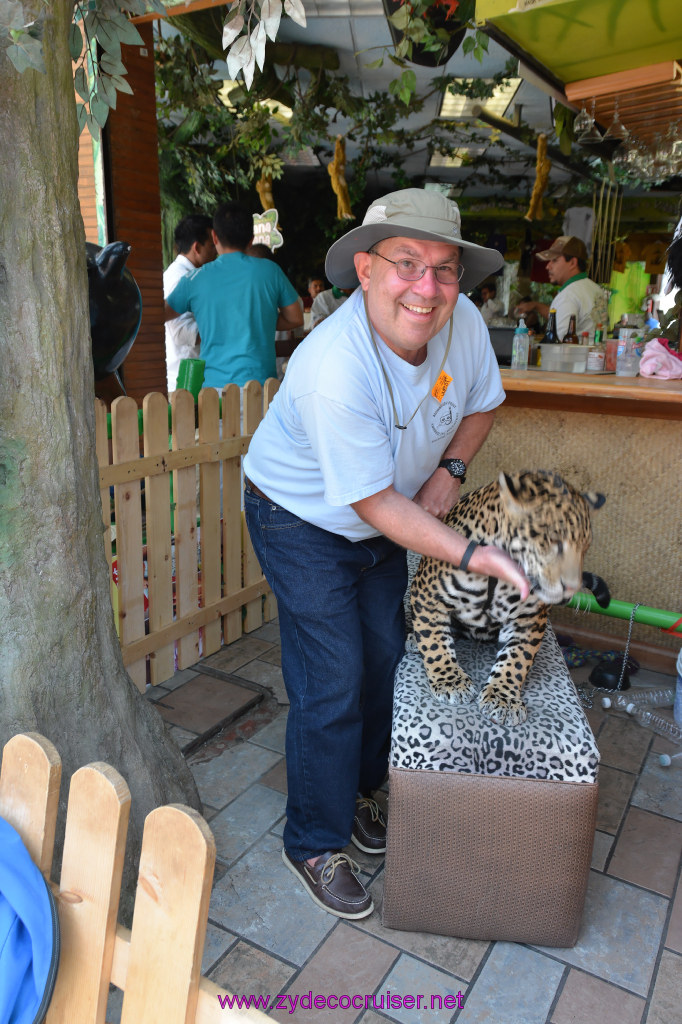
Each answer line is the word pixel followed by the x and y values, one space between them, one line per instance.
pixel 455 467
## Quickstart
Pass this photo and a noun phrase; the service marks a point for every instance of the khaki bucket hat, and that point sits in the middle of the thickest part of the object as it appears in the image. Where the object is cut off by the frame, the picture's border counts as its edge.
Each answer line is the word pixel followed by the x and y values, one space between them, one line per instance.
pixel 410 213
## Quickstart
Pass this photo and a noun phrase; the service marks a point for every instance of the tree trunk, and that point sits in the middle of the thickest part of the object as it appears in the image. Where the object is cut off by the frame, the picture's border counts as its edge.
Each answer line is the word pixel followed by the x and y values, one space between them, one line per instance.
pixel 61 672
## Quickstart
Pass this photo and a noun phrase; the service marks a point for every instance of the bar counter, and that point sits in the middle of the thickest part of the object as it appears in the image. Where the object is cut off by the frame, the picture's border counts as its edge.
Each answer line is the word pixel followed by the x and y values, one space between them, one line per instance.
pixel 621 436
pixel 593 393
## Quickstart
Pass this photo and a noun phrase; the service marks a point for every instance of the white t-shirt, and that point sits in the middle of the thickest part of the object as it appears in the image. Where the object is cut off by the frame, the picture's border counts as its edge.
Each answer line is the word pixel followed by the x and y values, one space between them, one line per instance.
pixel 491 308
pixel 329 437
pixel 584 298
pixel 182 333
pixel 324 304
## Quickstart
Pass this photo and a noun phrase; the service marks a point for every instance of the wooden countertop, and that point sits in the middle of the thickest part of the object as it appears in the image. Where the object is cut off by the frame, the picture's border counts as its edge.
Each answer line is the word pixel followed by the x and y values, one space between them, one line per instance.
pixel 594 393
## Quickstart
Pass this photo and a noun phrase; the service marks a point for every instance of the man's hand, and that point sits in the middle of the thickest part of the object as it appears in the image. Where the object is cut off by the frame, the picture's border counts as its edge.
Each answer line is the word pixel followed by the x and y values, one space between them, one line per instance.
pixel 491 561
pixel 439 493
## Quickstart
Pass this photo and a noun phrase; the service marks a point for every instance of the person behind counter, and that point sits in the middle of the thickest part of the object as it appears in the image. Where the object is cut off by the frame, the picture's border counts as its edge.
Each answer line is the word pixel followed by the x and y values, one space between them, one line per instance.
pixel 360 455
pixel 566 261
pixel 490 306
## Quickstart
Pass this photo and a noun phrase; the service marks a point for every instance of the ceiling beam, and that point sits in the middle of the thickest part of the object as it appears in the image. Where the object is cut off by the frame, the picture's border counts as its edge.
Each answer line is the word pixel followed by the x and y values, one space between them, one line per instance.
pixel 530 139
pixel 624 81
pixel 180 9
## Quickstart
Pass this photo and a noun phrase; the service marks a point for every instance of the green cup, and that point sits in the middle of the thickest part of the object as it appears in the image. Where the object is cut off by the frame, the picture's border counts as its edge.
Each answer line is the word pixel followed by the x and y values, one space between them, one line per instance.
pixel 191 375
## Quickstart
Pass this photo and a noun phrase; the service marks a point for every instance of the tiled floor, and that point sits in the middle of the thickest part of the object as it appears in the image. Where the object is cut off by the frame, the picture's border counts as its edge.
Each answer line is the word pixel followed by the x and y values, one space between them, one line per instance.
pixel 266 937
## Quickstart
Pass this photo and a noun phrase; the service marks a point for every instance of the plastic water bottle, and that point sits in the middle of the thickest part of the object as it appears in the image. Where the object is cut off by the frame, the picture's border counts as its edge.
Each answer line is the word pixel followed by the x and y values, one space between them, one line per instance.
pixel 659 698
pixel 520 345
pixel 663 726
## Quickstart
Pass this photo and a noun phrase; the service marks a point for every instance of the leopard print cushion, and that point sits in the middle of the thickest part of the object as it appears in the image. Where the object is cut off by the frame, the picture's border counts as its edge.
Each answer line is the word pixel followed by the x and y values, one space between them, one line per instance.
pixel 554 743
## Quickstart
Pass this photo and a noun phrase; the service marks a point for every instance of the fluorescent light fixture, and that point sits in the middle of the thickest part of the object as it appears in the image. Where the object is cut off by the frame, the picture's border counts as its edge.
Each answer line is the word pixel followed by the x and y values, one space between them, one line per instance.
pixel 458 158
pixel 306 158
pixel 279 111
pixel 453 107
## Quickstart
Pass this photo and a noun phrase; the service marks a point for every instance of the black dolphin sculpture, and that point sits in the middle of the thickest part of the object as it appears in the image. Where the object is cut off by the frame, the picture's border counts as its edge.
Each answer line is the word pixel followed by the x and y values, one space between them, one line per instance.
pixel 115 306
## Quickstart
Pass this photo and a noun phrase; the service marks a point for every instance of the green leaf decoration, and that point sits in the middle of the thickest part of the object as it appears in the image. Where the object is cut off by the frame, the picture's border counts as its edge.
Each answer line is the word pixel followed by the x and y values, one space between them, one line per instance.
pixel 26 53
pixel 99 110
pixel 75 42
pixel 80 81
pixel 105 32
pixel 121 84
pixel 111 65
pixel 127 33
pixel 82 115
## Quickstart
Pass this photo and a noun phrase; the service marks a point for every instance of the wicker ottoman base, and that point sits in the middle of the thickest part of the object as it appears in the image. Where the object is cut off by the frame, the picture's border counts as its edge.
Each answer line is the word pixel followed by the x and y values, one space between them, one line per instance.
pixel 490 828
pixel 482 857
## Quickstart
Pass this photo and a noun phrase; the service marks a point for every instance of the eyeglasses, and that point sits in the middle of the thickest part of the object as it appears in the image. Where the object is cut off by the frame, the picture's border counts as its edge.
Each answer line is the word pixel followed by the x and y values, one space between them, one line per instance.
pixel 414 270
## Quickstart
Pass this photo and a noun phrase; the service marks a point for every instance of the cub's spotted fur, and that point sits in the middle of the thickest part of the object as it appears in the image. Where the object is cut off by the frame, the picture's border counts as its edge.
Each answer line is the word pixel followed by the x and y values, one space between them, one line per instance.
pixel 544 524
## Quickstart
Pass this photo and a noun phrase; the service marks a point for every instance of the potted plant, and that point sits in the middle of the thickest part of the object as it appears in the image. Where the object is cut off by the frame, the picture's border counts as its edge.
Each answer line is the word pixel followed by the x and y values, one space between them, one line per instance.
pixel 428 32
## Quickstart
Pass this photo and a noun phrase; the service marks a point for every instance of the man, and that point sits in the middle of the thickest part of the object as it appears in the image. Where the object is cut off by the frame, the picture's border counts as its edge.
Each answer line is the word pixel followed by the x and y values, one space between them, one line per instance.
pixel 315 286
pixel 194 245
pixel 566 261
pixel 238 302
pixel 326 302
pixel 490 306
pixel 346 471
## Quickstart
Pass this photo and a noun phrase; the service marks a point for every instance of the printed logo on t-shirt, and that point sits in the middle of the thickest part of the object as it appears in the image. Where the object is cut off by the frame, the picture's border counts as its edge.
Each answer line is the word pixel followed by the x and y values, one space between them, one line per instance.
pixel 442 420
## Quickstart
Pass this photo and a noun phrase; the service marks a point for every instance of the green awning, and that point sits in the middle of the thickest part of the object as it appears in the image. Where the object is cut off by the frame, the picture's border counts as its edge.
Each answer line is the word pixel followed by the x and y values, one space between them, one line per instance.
pixel 578 39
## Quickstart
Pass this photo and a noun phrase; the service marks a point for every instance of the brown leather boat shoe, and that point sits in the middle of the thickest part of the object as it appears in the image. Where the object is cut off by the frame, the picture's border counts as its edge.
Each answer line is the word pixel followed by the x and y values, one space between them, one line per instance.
pixel 333 884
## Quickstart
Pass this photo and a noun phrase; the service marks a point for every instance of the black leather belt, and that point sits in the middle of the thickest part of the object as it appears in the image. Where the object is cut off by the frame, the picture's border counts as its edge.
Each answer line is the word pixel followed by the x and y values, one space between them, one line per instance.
pixel 256 490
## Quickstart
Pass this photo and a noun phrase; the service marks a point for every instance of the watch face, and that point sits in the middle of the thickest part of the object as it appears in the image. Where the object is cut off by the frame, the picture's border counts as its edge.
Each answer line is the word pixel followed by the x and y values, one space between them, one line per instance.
pixel 455 467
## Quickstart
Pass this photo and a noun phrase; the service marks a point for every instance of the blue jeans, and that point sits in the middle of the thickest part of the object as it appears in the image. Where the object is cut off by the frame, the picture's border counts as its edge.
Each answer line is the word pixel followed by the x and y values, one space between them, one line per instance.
pixel 342 629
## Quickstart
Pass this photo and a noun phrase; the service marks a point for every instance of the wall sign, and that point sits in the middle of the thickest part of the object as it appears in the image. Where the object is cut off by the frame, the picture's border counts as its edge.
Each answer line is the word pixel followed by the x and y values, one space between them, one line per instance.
pixel 266 231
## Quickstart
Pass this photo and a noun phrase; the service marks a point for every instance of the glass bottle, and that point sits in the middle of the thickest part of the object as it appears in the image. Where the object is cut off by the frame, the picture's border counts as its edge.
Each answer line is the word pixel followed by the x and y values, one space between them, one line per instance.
pixel 571 335
pixel 551 336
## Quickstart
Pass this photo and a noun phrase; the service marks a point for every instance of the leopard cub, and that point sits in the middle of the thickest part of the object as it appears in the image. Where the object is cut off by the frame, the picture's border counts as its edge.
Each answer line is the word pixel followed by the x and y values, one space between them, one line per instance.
pixel 544 524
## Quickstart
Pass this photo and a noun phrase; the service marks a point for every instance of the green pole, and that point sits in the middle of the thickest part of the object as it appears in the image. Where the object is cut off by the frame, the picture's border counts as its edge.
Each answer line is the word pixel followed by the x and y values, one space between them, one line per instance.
pixel 623 610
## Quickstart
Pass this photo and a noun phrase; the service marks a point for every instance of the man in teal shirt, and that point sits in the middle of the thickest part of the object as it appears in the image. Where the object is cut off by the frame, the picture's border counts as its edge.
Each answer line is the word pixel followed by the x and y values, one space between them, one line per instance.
pixel 238 304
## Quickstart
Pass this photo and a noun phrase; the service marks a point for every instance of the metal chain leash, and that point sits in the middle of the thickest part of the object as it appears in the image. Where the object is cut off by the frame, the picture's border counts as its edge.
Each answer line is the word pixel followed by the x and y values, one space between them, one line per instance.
pixel 585 694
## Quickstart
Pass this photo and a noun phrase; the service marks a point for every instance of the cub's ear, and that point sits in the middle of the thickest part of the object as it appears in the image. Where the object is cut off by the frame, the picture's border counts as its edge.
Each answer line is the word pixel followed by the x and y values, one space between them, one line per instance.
pixel 510 493
pixel 594 498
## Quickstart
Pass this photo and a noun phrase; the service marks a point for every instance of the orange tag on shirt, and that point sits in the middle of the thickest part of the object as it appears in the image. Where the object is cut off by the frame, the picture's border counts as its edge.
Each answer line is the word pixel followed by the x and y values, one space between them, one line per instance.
pixel 441 386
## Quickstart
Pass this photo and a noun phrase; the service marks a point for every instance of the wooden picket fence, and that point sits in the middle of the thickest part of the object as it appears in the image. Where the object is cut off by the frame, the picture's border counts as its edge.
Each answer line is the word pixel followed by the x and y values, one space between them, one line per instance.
pixel 157 963
pixel 185 578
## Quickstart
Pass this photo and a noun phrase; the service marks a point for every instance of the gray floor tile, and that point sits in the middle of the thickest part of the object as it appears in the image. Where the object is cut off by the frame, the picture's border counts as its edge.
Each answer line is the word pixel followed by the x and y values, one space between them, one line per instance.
pixel 247 971
pixel 272 735
pixel 517 985
pixel 460 957
pixel 265 674
pixel 221 779
pixel 260 900
pixel 269 632
pixel 245 820
pixel 620 935
pixel 666 1003
pixel 658 789
pixel 182 677
pixel 434 995
pixel 601 849
pixel 585 999
pixel 181 736
pixel 218 941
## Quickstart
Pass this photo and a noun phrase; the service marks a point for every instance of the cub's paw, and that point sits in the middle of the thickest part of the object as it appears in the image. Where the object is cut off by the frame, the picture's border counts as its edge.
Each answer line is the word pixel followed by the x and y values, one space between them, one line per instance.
pixel 503 708
pixel 455 687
